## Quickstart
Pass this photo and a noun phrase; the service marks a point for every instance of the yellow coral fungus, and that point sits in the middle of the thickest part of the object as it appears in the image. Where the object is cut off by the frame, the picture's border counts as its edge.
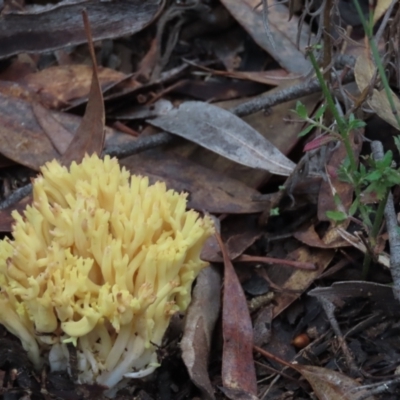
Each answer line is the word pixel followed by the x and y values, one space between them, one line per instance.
pixel 101 259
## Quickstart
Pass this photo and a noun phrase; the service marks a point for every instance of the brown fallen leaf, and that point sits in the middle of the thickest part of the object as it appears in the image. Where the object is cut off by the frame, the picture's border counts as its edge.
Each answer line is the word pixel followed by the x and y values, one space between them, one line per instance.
pixel 364 71
pixel 225 134
pixel 21 137
pixel 330 240
pixel 331 385
pixel 299 280
pixel 381 7
pixel 89 137
pixel 239 232
pixel 69 82
pixel 238 370
pixel 379 294
pixel 208 190
pixel 59 136
pixel 326 383
pixel 201 318
pixel 23 140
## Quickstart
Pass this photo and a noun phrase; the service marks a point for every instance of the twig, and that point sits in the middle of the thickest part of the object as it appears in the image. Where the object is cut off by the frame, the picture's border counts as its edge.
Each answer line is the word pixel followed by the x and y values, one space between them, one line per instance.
pixel 16 196
pixel 271 260
pixel 287 94
pixel 329 309
pixel 120 151
pixel 392 228
pixel 142 144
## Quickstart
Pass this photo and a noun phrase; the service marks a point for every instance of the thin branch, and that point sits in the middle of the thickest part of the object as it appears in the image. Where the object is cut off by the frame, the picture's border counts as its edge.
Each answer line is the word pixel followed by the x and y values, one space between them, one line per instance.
pixel 282 96
pixel 16 196
pixel 138 146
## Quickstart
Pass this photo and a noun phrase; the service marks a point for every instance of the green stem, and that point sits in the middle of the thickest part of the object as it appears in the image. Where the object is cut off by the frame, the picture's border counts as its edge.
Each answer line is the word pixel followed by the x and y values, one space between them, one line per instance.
pixel 332 107
pixel 378 220
pixel 374 234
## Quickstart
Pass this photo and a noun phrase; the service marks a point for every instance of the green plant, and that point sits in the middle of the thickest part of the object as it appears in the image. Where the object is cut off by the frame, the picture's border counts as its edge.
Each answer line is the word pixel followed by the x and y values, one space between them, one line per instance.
pixel 371 180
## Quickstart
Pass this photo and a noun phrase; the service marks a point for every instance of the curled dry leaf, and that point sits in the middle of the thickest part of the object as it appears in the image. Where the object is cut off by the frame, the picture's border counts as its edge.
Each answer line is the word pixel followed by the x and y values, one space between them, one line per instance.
pixel 364 72
pixel 383 258
pixel 201 318
pixel 222 132
pixel 331 385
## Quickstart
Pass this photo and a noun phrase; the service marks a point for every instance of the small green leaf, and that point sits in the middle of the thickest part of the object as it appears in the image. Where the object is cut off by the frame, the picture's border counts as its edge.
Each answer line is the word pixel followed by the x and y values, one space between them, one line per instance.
pixel 397 142
pixel 353 208
pixel 373 176
pixel 320 112
pixel 354 123
pixel 301 110
pixel 305 131
pixel 387 159
pixel 274 211
pixel 336 216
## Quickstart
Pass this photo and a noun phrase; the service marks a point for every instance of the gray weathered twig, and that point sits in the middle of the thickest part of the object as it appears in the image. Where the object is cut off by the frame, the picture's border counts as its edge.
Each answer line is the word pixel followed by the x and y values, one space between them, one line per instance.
pixel 290 93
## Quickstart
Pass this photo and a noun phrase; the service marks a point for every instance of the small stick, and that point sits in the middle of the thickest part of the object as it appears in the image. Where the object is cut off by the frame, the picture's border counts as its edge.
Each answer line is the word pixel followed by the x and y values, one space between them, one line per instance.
pixel 287 94
pixel 270 260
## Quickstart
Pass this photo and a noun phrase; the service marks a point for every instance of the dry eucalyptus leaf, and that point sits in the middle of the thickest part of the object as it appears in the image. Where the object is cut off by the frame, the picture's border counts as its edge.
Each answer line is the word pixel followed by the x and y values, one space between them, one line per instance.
pixel 201 318
pixel 331 385
pixel 380 8
pixel 60 136
pixel 223 133
pixel 238 371
pixel 281 40
pixel 364 71
pixel 89 137
pixel 49 27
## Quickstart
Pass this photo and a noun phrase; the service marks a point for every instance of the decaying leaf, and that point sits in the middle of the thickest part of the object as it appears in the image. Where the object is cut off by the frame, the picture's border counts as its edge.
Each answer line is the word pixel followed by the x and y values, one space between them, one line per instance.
pixel 283 30
pixel 380 8
pixel 300 280
pixel 379 294
pixel 51 27
pixel 208 190
pixel 89 138
pixel 225 134
pixel 331 385
pixel 69 82
pixel 201 317
pixel 382 258
pixel 364 72
pixel 238 371
pixel 60 136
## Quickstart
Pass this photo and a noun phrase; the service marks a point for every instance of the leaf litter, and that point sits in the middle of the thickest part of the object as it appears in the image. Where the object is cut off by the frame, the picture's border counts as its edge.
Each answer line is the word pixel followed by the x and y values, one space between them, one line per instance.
pixel 284 277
